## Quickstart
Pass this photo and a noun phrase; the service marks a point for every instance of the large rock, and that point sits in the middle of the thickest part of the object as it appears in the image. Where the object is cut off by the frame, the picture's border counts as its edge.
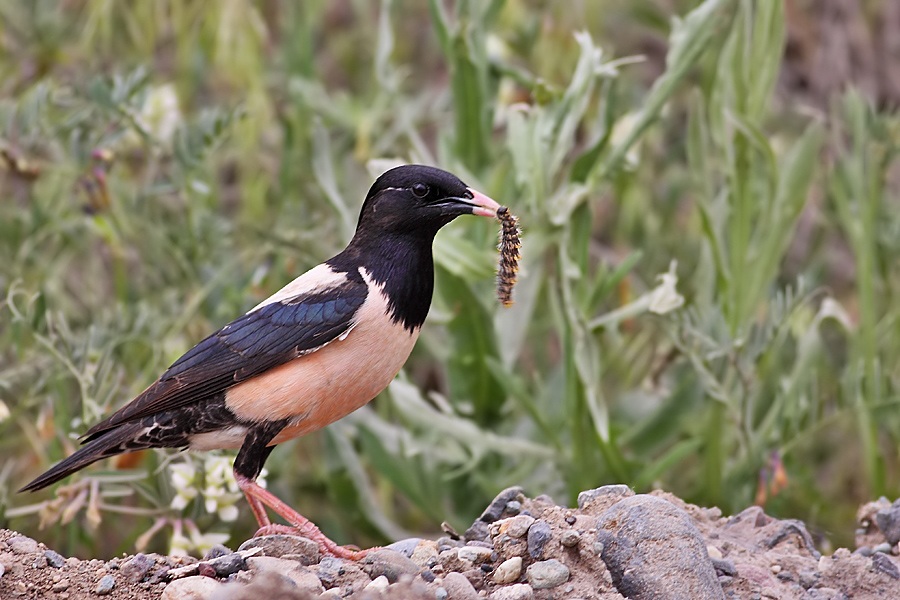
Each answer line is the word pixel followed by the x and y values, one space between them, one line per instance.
pixel 654 550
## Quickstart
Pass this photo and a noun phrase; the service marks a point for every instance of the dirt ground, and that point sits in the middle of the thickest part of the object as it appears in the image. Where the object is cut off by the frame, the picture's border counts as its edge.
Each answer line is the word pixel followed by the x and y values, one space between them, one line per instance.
pixel 613 545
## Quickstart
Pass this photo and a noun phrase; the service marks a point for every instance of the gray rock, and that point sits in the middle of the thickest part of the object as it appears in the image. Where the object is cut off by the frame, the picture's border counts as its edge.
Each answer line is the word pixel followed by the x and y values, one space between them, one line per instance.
pixel 54 559
pixel 789 528
pixel 105 585
pixel 888 521
pixel 478 531
pixel 570 538
pixel 136 568
pixel 509 570
pixel 216 551
pixel 22 545
pixel 475 554
pixel 459 588
pixel 330 570
pixel 224 566
pixel 302 549
pixel 547 574
pixel 538 536
pixel 61 586
pixel 405 547
pixel 516 591
pixel 191 588
pixel 883 564
pixel 723 566
pixel 389 563
pixel 497 507
pixel 654 550
pixel 441 594
pixel 2 569
pixel 605 496
pixel 515 527
pixel 300 577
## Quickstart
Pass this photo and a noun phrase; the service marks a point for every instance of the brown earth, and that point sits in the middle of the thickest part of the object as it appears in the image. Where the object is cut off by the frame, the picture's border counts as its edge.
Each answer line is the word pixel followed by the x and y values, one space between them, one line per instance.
pixel 614 545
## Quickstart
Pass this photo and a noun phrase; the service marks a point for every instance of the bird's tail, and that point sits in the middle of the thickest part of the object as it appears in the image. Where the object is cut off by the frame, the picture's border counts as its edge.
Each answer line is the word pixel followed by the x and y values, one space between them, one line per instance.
pixel 115 441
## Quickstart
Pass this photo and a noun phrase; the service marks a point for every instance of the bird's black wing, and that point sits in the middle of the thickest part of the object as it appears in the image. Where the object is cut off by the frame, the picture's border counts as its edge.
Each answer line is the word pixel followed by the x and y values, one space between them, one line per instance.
pixel 248 346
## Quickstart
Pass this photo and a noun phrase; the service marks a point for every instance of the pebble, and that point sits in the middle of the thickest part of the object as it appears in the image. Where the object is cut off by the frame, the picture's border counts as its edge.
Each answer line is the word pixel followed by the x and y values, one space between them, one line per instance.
pixel 425 553
pixel 497 507
pixel 54 559
pixel 570 538
pixel 441 594
pixel 609 494
pixel 224 566
pixel 136 568
pixel 303 550
pixel 538 536
pixel 714 553
pixel 105 585
pixel 22 545
pixel 61 586
pixel 547 574
pixel 216 551
pixel 516 591
pixel 304 578
pixel 883 564
pixel 459 587
pixel 389 563
pixel 405 547
pixel 888 521
pixel 509 570
pixel 330 570
pixel 884 548
pixel 191 588
pixel 514 527
pixel 513 507
pixel 724 567
pixel 379 584
pixel 2 569
pixel 475 554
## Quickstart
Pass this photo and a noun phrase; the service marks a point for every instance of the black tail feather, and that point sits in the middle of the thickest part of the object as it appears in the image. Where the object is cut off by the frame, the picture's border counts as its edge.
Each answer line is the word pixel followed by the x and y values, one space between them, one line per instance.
pixel 116 441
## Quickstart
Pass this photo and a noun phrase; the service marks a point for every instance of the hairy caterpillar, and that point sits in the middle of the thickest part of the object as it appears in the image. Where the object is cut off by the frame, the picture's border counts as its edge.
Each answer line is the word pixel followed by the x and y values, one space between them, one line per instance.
pixel 508 264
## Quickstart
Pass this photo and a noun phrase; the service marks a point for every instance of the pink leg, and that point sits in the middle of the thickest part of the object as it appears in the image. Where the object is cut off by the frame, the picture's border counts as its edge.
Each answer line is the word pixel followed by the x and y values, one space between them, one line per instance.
pixel 259 497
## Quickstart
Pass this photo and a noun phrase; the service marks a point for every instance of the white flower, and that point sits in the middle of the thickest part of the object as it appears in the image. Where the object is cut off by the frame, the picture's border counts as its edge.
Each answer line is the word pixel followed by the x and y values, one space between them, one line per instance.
pixel 160 114
pixel 664 297
pixel 194 541
pixel 184 479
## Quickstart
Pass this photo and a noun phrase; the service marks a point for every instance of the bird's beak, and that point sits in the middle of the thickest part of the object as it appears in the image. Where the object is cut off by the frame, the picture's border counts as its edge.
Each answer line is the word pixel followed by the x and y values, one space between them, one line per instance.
pixel 483 206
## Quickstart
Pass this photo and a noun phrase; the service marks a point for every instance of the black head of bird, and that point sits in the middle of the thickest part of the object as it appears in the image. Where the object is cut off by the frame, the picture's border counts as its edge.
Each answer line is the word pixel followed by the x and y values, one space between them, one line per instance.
pixel 319 348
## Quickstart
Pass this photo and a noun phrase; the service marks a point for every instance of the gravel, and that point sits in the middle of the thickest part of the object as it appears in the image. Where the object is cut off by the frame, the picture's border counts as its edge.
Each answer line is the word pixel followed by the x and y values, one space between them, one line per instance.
pixel 615 544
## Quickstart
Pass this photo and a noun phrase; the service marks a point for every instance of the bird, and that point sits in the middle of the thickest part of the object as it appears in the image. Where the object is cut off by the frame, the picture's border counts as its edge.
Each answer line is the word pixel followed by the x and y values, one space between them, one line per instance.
pixel 321 347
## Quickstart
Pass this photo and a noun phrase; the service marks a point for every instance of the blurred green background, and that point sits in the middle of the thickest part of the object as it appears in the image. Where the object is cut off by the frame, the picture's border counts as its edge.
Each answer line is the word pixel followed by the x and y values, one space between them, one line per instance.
pixel 166 165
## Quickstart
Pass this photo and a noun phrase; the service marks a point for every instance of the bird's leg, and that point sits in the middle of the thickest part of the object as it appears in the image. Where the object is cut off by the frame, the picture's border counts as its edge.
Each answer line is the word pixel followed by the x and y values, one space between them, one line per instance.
pixel 247 466
pixel 257 495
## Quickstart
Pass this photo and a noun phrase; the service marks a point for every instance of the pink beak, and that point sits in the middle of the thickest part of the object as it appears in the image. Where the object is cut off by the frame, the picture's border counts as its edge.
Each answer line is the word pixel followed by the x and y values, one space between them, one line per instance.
pixel 484 206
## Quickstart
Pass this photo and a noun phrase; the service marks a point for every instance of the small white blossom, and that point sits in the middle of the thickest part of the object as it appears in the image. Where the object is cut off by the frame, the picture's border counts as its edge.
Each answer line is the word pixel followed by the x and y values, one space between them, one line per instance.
pixel 194 541
pixel 184 479
pixel 664 297
pixel 160 114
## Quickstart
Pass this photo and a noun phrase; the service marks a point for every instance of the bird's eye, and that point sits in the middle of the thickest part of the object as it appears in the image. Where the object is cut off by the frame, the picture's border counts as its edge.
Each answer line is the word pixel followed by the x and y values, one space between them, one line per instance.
pixel 420 190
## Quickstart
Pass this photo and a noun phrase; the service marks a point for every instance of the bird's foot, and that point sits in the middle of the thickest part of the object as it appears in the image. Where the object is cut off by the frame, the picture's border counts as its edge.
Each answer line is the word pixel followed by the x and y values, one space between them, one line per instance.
pixel 326 546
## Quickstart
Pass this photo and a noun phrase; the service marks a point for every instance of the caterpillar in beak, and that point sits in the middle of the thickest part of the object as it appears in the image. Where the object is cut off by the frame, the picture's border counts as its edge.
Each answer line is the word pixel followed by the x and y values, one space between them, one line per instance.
pixel 508 263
